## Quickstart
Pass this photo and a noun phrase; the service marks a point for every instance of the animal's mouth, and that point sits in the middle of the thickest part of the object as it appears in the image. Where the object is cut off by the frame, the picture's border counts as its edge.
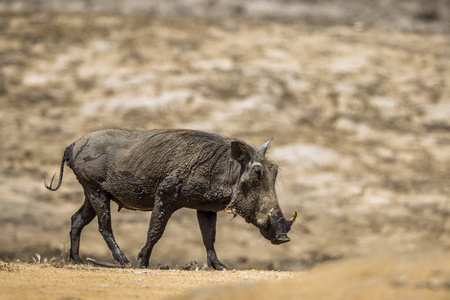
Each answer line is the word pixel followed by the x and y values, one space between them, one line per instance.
pixel 275 238
pixel 280 240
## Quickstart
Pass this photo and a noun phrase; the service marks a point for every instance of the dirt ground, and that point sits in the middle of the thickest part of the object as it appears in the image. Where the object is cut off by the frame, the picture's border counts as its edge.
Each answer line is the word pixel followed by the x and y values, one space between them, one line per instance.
pixel 359 112
pixel 411 276
pixel 20 281
pixel 418 276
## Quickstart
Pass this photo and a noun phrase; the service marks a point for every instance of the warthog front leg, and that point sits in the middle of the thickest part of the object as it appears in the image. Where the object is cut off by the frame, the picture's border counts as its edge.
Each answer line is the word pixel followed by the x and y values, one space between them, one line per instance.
pixel 162 210
pixel 207 221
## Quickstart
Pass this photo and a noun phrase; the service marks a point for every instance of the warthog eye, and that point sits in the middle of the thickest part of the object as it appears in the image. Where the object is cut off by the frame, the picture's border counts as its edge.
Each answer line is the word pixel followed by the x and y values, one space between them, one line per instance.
pixel 257 171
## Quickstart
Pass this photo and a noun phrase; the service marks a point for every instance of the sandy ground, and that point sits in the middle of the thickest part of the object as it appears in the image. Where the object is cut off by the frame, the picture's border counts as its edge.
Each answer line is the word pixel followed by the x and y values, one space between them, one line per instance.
pixel 407 276
pixel 417 276
pixel 359 116
pixel 45 281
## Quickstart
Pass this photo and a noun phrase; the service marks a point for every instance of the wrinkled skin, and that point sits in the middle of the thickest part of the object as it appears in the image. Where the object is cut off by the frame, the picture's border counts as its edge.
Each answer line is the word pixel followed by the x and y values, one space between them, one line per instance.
pixel 165 170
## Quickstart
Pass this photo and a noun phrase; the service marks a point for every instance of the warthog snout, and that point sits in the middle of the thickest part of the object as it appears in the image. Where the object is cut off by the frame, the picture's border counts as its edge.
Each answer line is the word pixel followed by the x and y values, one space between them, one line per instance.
pixel 277 227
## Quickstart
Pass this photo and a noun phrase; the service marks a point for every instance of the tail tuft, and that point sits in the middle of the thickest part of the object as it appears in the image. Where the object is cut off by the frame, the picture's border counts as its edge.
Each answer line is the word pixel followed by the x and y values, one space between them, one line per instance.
pixel 60 176
pixel 51 183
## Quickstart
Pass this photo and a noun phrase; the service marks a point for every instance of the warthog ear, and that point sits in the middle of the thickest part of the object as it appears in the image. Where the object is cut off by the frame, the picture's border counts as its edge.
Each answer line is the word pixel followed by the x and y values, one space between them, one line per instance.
pixel 239 152
pixel 263 149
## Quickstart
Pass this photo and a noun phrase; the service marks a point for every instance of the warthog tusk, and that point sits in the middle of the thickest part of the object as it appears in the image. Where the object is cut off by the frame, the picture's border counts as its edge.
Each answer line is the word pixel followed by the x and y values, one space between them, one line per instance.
pixel 294 217
pixel 268 217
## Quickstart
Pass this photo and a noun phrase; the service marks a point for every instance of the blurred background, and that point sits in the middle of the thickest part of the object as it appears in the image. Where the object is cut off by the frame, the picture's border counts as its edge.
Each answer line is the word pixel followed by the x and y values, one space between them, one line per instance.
pixel 355 93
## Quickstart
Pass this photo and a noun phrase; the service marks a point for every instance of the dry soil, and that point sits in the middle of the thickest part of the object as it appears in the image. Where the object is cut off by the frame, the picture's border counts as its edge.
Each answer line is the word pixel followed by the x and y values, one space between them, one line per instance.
pixel 359 116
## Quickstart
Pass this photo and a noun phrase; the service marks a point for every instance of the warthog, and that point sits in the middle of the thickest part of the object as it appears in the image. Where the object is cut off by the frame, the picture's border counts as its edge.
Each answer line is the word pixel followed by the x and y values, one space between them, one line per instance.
pixel 164 170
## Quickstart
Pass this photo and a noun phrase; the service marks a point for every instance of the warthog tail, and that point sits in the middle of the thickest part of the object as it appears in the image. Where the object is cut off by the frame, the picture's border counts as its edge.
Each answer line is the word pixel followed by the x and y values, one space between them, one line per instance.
pixel 64 159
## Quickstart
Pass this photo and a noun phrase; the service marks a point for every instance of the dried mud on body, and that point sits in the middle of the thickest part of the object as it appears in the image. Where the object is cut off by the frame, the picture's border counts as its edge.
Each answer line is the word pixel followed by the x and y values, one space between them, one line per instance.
pixel 359 120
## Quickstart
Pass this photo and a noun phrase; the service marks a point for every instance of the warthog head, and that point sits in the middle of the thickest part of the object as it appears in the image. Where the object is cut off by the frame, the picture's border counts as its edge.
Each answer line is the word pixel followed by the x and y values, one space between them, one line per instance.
pixel 254 196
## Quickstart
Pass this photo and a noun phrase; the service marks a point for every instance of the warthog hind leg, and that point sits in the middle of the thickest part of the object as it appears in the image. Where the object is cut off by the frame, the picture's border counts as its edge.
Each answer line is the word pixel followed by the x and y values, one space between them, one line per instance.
pixel 101 204
pixel 80 219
